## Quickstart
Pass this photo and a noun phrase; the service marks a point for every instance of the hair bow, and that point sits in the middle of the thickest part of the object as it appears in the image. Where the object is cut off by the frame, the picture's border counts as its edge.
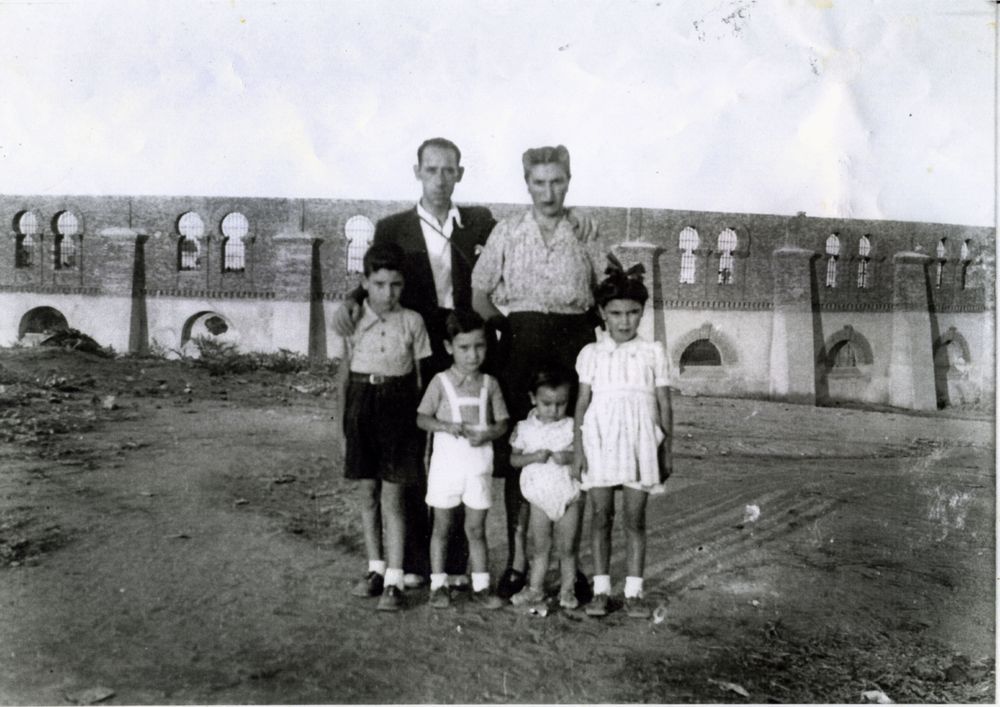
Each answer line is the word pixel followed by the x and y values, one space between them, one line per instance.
pixel 615 268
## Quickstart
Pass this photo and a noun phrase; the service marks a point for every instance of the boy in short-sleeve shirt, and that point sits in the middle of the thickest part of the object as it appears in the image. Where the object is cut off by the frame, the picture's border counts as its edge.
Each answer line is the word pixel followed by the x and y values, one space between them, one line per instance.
pixel 379 389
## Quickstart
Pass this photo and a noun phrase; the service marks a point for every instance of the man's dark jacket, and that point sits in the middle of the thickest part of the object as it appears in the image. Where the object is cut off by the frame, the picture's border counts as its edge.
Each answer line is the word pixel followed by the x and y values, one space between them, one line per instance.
pixel 419 293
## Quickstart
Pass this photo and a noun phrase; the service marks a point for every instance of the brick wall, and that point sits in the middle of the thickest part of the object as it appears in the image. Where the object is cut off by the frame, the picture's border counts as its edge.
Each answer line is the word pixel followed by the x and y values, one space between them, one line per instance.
pixel 102 262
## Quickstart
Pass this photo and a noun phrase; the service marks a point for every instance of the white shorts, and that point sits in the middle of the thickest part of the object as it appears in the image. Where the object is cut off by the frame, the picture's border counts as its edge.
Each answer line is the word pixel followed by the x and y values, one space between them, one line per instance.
pixel 459 473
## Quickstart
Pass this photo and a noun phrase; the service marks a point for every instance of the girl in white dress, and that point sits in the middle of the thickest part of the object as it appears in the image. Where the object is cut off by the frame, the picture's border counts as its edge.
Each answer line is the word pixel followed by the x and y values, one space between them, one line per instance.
pixel 542 446
pixel 623 430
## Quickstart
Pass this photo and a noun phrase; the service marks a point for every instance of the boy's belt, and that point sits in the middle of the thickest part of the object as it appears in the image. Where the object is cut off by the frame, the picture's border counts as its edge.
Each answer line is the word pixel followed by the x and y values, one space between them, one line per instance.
pixel 378 378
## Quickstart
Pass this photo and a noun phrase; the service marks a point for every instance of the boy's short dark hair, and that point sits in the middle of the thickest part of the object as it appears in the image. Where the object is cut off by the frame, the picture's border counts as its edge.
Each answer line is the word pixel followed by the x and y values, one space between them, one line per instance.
pixel 462 321
pixel 551 375
pixel 441 142
pixel 384 256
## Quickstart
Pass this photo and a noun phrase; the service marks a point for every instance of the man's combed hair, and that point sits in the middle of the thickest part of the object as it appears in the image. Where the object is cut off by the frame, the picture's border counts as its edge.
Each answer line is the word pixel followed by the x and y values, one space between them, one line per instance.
pixel 546 155
pixel 384 256
pixel 462 321
pixel 443 143
pixel 552 375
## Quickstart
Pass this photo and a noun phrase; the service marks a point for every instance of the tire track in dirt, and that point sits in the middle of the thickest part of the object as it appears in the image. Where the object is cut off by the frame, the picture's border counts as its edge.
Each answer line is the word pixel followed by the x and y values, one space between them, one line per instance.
pixel 718 540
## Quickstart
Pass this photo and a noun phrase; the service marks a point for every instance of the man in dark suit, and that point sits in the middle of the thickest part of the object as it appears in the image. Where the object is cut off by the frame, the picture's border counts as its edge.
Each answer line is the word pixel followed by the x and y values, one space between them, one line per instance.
pixel 441 242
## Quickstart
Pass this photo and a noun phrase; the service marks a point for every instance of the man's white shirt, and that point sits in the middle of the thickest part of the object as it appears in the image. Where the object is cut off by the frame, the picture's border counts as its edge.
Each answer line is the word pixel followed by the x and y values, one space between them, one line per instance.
pixel 438 241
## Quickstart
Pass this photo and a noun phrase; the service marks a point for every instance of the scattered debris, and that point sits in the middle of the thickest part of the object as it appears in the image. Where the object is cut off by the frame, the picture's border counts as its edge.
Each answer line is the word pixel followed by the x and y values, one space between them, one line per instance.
pixel 90 696
pixel 284 479
pixel 660 613
pixel 875 697
pixel 751 513
pixel 730 686
pixel 539 609
pixel 77 341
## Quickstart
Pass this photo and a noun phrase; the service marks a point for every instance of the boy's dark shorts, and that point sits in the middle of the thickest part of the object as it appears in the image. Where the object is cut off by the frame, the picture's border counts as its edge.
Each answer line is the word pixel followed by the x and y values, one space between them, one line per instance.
pixel 380 428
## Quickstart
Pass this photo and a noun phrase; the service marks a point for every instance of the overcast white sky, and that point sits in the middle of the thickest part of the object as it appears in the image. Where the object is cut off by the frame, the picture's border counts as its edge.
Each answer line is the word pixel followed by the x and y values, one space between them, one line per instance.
pixel 838 108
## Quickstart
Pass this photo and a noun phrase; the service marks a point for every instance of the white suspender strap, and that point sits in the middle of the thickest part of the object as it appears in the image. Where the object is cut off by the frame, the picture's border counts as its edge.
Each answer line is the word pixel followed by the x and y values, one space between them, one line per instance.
pixel 452 395
pixel 483 399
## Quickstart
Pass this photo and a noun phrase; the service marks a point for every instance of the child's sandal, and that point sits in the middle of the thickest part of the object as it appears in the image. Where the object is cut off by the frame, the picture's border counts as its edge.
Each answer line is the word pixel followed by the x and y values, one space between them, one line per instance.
pixel 527 596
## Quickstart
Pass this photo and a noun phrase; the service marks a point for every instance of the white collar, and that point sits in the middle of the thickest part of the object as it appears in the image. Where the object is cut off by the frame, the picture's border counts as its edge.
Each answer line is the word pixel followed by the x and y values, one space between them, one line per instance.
pixel 605 341
pixel 453 215
pixel 369 316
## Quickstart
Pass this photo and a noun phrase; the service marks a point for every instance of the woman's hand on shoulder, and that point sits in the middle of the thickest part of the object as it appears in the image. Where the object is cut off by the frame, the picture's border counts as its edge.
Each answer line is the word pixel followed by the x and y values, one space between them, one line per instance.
pixel 584 225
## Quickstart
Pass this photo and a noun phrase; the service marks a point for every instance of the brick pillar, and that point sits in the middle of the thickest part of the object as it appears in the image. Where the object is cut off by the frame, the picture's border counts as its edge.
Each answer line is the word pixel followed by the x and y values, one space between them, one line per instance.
pixel 911 366
pixel 630 253
pixel 792 371
pixel 293 273
pixel 988 366
pixel 117 259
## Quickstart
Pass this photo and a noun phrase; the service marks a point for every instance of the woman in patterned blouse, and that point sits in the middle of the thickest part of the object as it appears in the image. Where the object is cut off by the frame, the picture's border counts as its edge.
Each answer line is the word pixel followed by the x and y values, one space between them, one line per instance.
pixel 541 269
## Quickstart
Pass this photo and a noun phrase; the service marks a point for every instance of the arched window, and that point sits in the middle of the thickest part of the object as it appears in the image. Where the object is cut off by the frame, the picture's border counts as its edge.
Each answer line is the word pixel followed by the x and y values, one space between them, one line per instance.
pixel 844 356
pixel 726 246
pixel 966 258
pixel 234 231
pixel 191 228
pixel 688 243
pixel 864 255
pixel 942 258
pixel 64 247
pixel 700 352
pixel 359 231
pixel 26 228
pixel 832 254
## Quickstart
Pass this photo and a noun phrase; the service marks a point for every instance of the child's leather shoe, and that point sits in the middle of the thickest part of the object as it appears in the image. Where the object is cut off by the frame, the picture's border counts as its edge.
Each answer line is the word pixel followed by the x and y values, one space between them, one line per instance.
pixel 368 586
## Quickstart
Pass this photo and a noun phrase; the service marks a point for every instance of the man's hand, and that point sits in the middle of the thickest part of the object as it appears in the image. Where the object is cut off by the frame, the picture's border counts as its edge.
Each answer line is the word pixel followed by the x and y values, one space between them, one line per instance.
pixel 579 467
pixel 584 225
pixel 346 317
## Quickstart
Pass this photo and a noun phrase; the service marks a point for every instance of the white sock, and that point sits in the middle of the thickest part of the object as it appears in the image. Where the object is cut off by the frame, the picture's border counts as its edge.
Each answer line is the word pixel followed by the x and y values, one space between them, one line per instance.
pixel 394 577
pixel 438 580
pixel 376 566
pixel 633 587
pixel 480 581
pixel 602 584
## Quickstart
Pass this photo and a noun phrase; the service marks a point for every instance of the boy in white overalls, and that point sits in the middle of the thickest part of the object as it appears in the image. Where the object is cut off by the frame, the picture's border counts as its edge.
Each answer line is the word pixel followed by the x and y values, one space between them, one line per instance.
pixel 464 409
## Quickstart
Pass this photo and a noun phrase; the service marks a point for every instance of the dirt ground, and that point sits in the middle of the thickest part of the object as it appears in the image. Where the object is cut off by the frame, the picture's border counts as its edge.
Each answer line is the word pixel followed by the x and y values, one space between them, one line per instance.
pixel 192 541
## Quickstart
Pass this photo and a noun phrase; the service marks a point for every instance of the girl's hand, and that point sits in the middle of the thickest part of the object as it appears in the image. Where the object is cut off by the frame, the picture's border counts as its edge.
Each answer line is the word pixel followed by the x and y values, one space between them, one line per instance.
pixel 565 457
pixel 579 467
pixel 542 456
pixel 456 429
pixel 666 462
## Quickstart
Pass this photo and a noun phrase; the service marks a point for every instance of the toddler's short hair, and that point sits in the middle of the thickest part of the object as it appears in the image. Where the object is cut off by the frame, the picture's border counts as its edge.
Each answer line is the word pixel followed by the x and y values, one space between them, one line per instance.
pixel 551 375
pixel 384 256
pixel 462 321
